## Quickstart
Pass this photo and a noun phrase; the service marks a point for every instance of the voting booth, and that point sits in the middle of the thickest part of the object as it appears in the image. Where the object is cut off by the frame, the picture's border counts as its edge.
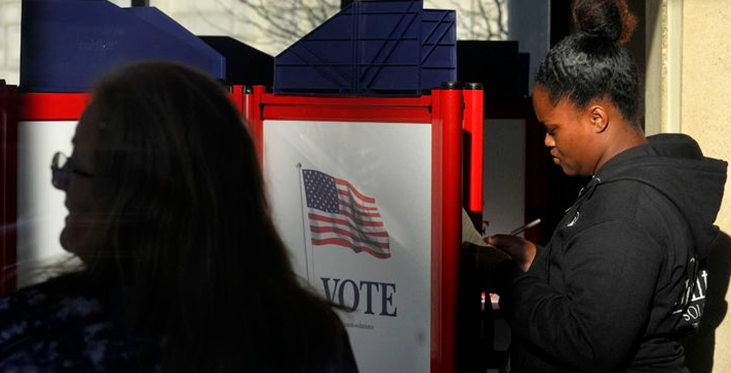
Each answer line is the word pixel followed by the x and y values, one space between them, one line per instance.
pixel 367 159
pixel 366 193
pixel 361 144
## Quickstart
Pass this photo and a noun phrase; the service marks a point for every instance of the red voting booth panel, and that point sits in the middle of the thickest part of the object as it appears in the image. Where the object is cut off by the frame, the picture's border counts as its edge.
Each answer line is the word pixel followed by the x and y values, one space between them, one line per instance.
pixel 52 106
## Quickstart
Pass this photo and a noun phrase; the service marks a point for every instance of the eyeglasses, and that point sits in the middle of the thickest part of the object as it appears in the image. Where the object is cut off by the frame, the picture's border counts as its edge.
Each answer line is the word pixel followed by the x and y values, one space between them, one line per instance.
pixel 62 167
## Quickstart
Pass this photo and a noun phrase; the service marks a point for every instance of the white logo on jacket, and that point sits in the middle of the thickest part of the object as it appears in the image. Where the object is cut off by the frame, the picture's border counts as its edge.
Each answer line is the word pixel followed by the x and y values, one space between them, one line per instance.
pixel 574 220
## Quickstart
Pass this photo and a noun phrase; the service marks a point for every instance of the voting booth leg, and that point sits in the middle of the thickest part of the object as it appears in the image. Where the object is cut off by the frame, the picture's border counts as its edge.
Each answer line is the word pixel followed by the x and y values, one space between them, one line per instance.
pixel 451 114
pixel 472 152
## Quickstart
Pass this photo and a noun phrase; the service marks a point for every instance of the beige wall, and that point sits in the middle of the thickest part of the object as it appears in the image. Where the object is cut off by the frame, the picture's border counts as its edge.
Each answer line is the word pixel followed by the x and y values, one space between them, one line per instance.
pixel 687 90
pixel 705 109
pixel 10 41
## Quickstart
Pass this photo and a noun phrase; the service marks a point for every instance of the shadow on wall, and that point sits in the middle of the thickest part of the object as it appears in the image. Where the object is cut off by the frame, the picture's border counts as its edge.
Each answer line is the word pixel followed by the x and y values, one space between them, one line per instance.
pixel 699 347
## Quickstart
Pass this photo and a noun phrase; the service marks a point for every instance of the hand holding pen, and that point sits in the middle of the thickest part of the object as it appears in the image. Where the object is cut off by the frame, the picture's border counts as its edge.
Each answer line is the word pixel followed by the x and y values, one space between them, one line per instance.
pixel 522 228
pixel 521 250
pixel 525 227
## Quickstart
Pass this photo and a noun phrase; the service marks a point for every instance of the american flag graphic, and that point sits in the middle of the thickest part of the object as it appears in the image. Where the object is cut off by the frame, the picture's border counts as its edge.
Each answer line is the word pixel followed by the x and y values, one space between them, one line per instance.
pixel 340 215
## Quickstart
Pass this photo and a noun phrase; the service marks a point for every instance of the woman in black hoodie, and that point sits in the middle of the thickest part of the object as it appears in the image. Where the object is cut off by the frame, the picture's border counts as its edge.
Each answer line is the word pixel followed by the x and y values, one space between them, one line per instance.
pixel 622 278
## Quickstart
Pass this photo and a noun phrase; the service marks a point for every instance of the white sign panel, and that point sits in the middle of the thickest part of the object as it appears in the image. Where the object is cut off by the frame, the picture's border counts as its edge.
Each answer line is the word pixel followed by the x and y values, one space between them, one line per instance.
pixel 41 209
pixel 352 202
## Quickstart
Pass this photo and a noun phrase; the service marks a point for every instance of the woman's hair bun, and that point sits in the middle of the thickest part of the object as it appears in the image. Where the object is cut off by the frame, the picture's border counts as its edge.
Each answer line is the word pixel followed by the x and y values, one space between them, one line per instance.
pixel 609 19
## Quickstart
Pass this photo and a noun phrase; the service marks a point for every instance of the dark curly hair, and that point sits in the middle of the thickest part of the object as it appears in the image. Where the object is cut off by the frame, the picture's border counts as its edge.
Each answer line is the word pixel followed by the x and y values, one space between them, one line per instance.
pixel 593 63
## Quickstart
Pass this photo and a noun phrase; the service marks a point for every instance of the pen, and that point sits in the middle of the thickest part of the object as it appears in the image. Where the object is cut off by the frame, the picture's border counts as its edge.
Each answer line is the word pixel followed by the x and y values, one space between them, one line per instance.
pixel 524 227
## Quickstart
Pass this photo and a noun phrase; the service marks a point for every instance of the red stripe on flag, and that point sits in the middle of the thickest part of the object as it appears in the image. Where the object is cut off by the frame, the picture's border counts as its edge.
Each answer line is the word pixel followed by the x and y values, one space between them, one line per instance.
pixel 355 191
pixel 345 222
pixel 345 232
pixel 356 248
pixel 332 220
pixel 358 216
pixel 372 234
pixel 358 205
pixel 366 223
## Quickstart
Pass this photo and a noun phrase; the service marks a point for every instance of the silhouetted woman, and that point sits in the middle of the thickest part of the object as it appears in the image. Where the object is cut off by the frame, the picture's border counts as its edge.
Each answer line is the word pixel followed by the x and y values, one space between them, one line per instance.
pixel 183 268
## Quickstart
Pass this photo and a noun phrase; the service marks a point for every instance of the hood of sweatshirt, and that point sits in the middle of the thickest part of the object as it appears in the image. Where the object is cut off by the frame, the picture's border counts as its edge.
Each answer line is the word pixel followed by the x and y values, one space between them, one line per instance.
pixel 674 165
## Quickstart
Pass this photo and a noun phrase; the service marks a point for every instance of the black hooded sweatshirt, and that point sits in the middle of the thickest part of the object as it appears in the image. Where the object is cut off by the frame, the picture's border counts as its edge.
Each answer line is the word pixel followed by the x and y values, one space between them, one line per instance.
pixel 622 278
